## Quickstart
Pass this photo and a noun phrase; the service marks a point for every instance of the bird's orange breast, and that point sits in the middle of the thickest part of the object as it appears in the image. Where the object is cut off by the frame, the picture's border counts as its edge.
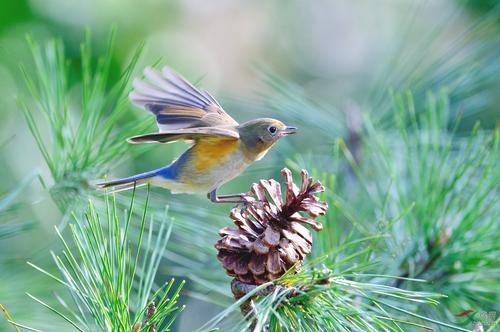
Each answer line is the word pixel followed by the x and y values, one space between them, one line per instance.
pixel 209 153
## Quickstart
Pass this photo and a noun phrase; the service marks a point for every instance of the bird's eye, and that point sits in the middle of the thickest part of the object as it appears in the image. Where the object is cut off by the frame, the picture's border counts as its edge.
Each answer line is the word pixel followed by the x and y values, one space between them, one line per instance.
pixel 273 130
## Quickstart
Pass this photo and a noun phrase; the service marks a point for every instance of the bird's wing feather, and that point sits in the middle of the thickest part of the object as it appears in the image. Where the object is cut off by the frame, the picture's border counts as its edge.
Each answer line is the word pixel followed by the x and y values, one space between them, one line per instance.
pixel 176 103
pixel 187 134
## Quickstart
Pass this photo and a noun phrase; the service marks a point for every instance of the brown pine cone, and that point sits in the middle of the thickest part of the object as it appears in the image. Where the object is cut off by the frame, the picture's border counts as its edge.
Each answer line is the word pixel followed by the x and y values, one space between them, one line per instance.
pixel 270 237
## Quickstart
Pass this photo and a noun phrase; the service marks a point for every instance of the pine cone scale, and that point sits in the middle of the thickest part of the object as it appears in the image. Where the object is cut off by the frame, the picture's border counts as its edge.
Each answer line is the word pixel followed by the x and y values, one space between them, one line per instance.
pixel 287 252
pixel 271 237
pixel 260 248
pixel 302 231
pixel 274 190
pixel 257 264
pixel 241 265
pixel 273 262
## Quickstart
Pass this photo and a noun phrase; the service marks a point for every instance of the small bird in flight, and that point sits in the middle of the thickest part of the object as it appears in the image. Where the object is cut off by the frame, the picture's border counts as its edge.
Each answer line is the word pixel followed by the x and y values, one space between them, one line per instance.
pixel 222 148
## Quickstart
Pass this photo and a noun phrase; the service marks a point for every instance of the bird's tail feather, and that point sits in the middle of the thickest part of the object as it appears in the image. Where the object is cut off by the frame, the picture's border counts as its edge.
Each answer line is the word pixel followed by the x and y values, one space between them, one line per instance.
pixel 126 186
pixel 128 182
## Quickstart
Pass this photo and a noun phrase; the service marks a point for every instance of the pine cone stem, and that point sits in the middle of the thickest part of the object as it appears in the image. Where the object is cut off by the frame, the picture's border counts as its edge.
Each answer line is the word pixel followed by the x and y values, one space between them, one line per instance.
pixel 241 289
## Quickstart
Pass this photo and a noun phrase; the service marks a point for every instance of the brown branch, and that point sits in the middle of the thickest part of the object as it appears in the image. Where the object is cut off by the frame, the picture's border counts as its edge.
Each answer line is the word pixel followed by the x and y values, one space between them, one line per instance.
pixel 241 289
pixel 9 318
pixel 149 314
pixel 428 264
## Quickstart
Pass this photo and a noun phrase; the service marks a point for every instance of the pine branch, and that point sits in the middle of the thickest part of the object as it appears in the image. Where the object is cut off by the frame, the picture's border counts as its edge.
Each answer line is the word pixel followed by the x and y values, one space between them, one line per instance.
pixel 109 286
pixel 440 189
pixel 78 152
pixel 310 297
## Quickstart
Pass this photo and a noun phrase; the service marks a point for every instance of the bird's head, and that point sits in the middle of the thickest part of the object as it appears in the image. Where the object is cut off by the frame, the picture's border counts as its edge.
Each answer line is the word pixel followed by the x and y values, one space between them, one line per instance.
pixel 260 134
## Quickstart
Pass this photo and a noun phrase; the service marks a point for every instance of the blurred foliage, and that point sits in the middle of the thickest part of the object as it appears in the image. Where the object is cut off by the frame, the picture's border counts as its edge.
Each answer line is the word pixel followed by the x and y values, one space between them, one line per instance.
pixel 14 12
pixel 433 192
pixel 8 208
pixel 480 6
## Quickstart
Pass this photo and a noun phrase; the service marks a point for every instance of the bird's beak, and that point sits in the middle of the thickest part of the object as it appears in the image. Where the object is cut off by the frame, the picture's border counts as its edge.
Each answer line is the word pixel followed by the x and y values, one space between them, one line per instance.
pixel 288 131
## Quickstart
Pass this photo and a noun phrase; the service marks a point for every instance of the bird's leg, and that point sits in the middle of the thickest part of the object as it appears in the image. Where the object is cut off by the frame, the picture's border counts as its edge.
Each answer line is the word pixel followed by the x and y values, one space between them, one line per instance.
pixel 223 198
pixel 232 195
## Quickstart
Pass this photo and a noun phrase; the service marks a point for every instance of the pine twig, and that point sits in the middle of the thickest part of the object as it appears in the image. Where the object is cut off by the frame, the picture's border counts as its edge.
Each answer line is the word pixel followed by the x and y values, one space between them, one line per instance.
pixel 428 263
pixel 9 318
pixel 149 314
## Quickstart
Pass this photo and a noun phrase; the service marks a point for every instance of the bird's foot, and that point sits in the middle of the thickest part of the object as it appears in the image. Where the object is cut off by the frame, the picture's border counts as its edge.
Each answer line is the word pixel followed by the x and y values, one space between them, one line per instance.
pixel 243 198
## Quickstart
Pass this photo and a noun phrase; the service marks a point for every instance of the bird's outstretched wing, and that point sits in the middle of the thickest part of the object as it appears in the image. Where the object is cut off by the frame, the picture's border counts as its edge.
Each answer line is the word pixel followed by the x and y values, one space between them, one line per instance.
pixel 176 103
pixel 188 134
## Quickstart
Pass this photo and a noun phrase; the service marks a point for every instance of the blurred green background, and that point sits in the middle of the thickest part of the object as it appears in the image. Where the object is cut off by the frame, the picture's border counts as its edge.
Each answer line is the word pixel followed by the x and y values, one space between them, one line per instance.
pixel 314 64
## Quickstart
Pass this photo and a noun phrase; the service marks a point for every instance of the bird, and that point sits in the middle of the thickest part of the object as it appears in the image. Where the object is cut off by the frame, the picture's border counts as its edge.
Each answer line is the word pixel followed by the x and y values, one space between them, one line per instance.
pixel 220 150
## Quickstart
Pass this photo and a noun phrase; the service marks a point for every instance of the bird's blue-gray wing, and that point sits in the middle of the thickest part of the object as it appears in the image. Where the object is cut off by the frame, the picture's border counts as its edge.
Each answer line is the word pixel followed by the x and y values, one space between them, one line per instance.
pixel 188 134
pixel 176 103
